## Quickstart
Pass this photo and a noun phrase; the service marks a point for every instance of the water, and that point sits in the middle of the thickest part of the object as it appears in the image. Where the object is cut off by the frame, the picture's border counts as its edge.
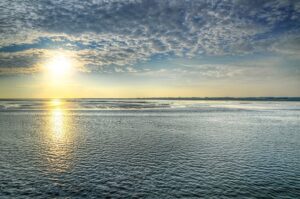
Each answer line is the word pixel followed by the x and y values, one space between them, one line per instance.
pixel 149 149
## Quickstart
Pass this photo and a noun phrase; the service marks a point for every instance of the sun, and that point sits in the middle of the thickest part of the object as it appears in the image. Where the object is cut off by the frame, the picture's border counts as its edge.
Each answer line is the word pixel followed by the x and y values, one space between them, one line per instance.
pixel 59 65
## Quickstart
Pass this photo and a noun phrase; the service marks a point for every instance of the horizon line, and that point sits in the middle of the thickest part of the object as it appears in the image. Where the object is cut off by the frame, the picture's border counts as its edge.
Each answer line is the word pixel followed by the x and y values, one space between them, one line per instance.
pixel 258 98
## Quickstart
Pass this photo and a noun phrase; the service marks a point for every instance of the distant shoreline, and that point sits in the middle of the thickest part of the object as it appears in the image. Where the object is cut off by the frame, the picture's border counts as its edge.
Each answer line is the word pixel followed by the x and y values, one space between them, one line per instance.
pixel 173 98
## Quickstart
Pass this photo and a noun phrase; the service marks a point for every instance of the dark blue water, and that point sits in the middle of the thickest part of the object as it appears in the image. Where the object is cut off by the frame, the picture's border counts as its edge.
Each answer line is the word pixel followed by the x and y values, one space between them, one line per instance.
pixel 149 149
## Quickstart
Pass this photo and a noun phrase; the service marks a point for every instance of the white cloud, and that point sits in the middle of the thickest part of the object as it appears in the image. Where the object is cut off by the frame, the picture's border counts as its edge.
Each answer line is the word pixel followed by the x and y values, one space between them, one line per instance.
pixel 121 33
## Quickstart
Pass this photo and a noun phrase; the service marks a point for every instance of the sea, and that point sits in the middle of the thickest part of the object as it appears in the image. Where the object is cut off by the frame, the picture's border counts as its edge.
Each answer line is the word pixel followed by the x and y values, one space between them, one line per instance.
pixel 149 148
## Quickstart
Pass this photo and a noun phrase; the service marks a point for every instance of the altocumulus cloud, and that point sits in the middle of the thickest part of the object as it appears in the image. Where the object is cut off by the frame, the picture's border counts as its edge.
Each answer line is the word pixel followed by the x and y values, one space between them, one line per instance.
pixel 119 34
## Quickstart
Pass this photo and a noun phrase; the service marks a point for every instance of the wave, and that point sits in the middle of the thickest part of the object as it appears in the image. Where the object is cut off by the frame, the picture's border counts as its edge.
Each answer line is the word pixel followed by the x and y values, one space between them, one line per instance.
pixel 138 104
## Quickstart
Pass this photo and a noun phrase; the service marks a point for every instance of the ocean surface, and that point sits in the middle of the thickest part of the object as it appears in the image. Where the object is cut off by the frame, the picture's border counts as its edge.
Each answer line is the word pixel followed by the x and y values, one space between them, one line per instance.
pixel 99 148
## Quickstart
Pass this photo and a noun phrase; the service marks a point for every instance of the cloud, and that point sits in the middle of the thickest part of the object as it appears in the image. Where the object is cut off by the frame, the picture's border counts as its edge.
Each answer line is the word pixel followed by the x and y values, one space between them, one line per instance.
pixel 122 33
pixel 20 62
pixel 287 45
pixel 34 60
pixel 248 71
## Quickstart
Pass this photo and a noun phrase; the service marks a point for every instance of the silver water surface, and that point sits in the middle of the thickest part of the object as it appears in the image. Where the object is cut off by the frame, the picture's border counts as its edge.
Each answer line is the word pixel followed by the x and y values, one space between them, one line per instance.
pixel 151 149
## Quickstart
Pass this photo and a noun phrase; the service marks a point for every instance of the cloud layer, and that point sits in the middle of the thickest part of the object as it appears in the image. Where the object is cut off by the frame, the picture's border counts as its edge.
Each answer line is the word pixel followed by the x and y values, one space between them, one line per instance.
pixel 117 35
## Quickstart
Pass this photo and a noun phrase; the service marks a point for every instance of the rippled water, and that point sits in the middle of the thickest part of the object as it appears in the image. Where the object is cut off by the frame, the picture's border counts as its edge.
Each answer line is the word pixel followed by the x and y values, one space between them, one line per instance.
pixel 149 149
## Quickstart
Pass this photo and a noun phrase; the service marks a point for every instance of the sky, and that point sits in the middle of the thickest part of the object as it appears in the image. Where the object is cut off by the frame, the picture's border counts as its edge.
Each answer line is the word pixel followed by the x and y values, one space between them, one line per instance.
pixel 149 48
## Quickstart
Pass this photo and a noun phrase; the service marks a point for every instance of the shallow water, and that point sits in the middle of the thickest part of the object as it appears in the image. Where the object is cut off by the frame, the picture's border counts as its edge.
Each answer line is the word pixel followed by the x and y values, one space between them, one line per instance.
pixel 149 148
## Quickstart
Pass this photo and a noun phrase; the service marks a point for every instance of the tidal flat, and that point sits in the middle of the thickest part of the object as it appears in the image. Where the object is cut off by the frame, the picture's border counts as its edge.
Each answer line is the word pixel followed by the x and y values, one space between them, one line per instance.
pixel 95 148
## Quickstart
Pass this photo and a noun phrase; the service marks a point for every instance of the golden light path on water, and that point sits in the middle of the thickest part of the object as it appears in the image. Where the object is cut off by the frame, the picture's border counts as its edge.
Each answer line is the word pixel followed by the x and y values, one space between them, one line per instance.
pixel 58 138
pixel 58 124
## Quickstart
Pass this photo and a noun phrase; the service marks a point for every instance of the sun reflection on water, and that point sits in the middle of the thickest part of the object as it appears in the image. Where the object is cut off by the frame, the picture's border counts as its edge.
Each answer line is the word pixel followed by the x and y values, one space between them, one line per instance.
pixel 58 139
pixel 56 103
pixel 58 128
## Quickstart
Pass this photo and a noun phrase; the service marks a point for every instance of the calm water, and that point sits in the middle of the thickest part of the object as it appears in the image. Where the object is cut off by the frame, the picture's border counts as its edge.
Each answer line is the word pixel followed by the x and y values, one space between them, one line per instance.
pixel 149 149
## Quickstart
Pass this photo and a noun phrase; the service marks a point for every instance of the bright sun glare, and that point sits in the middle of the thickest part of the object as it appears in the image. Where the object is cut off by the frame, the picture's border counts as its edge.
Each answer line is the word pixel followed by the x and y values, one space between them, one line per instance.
pixel 55 102
pixel 59 65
